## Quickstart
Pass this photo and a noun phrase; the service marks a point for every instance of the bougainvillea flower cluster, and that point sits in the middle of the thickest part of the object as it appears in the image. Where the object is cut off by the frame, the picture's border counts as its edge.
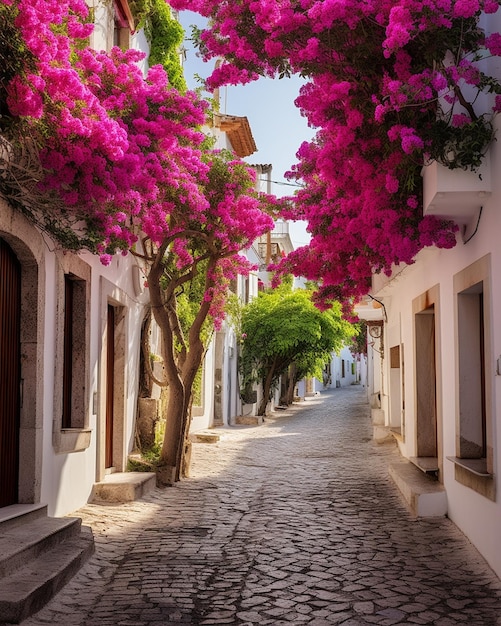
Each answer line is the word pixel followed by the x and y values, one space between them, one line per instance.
pixel 392 85
pixel 125 152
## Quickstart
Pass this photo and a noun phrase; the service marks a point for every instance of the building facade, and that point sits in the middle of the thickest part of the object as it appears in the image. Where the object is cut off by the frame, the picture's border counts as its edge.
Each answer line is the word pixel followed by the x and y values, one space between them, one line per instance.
pixel 73 350
pixel 434 353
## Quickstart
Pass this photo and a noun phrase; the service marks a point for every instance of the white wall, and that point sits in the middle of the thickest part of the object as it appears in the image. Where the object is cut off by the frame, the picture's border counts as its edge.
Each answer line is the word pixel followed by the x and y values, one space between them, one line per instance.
pixel 351 371
pixel 67 479
pixel 477 516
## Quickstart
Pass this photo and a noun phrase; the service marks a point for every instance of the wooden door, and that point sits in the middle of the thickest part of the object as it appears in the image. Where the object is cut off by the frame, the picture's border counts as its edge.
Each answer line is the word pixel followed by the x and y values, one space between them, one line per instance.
pixel 110 385
pixel 10 313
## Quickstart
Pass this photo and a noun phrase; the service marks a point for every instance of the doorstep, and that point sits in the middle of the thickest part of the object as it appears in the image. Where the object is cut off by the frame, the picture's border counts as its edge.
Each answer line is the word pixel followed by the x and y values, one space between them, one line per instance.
pixel 38 556
pixel 425 496
pixel 204 436
pixel 249 420
pixel 123 487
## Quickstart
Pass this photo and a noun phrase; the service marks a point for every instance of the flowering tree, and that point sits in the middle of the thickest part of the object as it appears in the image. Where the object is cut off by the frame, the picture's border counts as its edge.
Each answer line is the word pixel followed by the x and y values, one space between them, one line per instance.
pixel 393 84
pixel 118 163
pixel 205 244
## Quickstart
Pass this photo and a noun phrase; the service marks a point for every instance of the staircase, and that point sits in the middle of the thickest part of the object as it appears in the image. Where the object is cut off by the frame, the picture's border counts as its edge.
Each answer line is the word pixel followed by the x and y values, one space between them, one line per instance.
pixel 38 555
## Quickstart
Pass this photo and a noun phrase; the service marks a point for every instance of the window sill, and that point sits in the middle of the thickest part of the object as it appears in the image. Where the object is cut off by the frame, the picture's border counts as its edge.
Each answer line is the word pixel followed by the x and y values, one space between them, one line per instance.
pixel 72 440
pixel 427 464
pixel 475 466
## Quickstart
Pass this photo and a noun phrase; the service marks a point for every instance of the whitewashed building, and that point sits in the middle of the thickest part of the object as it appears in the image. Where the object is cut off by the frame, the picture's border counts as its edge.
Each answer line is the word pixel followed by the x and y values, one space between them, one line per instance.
pixel 435 356
pixel 69 348
pixel 78 345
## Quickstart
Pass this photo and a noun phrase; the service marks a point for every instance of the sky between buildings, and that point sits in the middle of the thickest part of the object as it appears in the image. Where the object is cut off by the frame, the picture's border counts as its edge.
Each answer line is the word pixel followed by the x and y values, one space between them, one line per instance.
pixel 277 126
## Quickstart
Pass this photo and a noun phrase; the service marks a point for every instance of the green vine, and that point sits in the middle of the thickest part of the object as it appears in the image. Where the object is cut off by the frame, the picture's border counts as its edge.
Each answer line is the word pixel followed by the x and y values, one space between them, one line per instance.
pixel 165 35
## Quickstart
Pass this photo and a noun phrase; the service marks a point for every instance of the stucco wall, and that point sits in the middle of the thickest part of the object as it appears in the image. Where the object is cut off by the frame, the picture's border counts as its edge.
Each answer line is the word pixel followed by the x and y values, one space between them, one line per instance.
pixel 478 516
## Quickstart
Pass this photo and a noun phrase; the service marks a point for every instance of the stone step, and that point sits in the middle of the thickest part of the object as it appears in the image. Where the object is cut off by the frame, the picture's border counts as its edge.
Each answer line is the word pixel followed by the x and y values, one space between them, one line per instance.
pixel 18 514
pixel 205 437
pixel 249 420
pixel 123 487
pixel 22 543
pixel 28 588
pixel 425 496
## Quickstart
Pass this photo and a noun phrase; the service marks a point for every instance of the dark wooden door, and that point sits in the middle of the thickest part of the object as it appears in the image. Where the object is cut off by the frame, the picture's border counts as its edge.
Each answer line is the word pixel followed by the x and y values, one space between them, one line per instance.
pixel 10 313
pixel 110 384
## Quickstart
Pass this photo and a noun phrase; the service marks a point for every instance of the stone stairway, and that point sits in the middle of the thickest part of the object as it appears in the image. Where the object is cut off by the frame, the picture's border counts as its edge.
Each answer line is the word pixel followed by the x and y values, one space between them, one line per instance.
pixel 38 555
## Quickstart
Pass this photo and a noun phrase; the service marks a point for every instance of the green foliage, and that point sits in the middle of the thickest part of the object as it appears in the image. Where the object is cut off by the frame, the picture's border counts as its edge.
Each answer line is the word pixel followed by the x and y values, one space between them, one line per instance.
pixel 462 147
pixel 14 56
pixel 234 311
pixel 282 327
pixel 141 9
pixel 220 176
pixel 188 300
pixel 146 462
pixel 165 35
pixel 359 340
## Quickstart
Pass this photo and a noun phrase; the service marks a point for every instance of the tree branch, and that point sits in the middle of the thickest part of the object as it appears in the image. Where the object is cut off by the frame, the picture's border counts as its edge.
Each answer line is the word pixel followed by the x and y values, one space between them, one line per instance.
pixel 464 103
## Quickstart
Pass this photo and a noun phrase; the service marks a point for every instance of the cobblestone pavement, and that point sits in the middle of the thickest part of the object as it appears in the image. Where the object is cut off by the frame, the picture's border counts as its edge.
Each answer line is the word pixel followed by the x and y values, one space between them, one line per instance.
pixel 292 522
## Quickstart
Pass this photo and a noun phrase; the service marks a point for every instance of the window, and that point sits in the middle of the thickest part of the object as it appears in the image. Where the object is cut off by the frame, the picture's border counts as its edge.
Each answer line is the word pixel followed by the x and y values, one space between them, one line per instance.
pixel 71 393
pixel 472 418
pixel 123 24
pixel 73 353
pixel 395 385
pixel 474 440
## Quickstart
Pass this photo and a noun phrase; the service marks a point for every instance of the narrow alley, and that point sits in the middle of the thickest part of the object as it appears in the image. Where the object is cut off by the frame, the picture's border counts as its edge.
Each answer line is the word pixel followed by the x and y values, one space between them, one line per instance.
pixel 292 522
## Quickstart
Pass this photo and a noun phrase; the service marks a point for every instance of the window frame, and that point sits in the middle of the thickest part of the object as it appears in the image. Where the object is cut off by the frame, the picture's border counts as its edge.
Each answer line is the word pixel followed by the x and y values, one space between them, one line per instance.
pixel 474 460
pixel 71 432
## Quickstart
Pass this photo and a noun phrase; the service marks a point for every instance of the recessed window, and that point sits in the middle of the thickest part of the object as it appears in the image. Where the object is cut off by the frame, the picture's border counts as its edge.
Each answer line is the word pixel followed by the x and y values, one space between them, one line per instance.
pixel 471 352
pixel 474 385
pixel 71 431
pixel 123 24
pixel 74 353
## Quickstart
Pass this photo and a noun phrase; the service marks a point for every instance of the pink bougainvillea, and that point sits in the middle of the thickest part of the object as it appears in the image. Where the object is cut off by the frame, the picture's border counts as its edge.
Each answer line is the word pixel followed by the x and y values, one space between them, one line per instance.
pixel 390 86
pixel 123 161
pixel 124 152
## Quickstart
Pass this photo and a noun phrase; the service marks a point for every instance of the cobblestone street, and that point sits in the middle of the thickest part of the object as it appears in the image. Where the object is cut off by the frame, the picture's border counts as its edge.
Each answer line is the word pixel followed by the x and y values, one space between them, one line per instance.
pixel 292 522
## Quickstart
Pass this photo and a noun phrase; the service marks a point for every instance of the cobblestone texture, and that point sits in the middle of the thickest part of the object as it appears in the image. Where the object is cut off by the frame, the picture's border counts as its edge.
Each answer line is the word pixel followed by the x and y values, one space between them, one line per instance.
pixel 292 522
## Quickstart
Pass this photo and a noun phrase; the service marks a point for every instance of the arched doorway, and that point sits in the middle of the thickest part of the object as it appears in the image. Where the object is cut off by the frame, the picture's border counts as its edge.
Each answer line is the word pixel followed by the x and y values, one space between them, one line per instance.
pixel 10 316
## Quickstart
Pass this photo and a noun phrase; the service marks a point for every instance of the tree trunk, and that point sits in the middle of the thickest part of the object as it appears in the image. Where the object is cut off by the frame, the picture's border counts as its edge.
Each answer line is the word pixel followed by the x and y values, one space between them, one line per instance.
pixel 192 364
pixel 291 383
pixel 262 406
pixel 267 383
pixel 168 468
pixel 180 372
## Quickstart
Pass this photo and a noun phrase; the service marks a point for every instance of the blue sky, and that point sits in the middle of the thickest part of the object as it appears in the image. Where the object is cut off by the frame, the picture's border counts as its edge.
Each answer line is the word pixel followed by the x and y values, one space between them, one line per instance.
pixel 277 126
